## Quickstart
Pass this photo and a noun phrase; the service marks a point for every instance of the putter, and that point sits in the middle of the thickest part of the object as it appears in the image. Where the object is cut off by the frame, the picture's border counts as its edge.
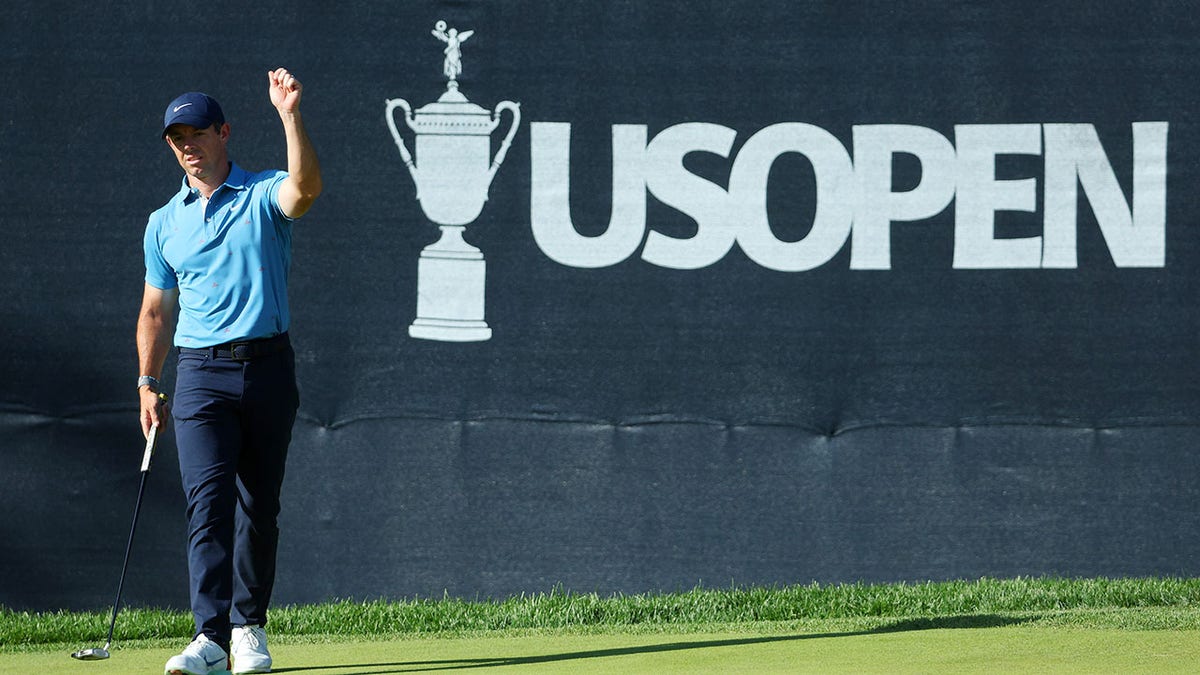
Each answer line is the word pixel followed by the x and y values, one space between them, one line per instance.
pixel 101 653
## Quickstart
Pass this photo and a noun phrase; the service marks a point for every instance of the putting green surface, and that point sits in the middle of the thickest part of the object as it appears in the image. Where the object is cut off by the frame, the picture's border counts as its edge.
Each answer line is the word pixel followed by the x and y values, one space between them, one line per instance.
pixel 1010 649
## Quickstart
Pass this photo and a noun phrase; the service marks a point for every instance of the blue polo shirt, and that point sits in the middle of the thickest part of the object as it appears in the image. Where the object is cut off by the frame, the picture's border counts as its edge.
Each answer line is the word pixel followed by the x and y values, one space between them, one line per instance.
pixel 229 257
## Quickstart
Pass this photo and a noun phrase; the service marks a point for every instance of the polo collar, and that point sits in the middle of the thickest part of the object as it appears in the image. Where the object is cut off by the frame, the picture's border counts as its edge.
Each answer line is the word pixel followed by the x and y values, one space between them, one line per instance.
pixel 236 180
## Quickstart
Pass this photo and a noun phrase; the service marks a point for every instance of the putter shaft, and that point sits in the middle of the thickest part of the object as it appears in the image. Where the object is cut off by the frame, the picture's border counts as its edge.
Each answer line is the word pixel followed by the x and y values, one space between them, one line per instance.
pixel 100 653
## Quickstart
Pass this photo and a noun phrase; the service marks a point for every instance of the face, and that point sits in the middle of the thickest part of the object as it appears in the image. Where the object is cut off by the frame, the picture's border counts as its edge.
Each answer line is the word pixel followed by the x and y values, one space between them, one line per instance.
pixel 201 152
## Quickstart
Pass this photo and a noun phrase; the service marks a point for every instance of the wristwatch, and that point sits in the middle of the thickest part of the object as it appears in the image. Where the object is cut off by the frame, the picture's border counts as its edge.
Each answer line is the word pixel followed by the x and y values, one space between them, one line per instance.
pixel 145 380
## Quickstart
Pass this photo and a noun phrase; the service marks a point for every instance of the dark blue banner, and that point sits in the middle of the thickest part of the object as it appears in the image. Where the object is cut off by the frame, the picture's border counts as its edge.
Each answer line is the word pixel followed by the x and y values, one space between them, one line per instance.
pixel 635 296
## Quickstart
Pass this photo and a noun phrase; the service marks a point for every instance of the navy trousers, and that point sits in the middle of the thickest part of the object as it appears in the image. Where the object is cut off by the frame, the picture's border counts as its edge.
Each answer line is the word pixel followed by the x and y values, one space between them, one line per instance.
pixel 233 423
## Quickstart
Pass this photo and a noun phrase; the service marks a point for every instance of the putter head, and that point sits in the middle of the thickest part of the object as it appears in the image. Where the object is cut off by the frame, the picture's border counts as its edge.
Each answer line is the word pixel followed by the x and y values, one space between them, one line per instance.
pixel 97 654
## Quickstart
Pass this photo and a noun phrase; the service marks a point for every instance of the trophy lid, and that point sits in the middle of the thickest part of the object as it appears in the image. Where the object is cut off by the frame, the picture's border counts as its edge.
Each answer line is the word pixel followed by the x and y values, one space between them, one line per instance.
pixel 453 114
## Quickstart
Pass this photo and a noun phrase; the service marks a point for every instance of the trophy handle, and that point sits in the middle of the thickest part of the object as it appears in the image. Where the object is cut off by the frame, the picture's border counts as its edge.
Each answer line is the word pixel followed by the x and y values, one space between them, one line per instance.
pixel 515 109
pixel 392 104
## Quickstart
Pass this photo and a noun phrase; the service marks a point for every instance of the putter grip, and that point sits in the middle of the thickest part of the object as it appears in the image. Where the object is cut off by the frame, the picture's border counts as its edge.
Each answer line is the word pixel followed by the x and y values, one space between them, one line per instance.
pixel 149 452
pixel 151 440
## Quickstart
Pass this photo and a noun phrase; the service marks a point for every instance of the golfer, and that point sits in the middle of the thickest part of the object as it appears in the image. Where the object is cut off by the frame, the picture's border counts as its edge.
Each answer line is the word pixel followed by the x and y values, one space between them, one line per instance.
pixel 220 249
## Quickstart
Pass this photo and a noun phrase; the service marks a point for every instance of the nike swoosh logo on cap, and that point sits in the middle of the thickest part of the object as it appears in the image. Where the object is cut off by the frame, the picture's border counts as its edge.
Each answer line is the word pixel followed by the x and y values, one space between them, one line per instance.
pixel 180 107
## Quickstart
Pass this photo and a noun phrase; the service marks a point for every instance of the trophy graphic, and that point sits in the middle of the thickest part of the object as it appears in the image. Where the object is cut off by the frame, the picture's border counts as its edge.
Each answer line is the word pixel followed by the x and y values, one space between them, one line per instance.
pixel 452 173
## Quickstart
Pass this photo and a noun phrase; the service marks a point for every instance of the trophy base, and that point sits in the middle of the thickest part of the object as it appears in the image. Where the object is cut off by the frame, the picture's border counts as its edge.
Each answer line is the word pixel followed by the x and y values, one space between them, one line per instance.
pixel 450 291
pixel 448 330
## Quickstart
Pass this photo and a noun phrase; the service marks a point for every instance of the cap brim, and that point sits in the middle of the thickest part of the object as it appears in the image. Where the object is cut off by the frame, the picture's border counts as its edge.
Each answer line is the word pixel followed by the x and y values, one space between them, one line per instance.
pixel 196 121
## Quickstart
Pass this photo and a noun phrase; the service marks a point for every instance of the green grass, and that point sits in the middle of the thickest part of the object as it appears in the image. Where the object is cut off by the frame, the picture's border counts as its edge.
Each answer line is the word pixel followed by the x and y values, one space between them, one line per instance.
pixel 1124 604
pixel 769 649
pixel 962 627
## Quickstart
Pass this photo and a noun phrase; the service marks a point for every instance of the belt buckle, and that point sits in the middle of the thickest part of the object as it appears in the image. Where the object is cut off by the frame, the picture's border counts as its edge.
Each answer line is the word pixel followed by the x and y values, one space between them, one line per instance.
pixel 241 351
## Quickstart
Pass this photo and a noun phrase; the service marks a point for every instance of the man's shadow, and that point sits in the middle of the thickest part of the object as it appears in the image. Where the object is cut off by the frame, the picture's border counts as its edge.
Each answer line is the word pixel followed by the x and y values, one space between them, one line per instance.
pixel 898 626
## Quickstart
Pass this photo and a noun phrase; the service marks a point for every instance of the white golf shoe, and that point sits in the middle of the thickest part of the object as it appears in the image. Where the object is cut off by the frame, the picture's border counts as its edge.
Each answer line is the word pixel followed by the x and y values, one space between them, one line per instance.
pixel 201 657
pixel 249 647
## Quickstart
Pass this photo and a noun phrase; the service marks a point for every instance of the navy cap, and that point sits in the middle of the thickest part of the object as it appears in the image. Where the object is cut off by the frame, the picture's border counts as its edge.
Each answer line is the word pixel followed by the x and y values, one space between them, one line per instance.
pixel 195 110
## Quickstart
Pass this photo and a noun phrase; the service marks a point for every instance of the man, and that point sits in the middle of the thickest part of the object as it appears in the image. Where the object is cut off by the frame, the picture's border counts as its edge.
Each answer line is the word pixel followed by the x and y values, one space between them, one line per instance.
pixel 221 250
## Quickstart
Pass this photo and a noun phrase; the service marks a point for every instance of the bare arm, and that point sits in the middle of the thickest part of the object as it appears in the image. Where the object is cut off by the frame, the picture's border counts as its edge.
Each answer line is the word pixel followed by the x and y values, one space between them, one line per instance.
pixel 303 184
pixel 154 327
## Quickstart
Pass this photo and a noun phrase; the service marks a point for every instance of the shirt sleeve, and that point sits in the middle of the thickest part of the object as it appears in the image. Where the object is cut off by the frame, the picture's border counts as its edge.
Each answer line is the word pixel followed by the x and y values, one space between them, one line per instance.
pixel 273 196
pixel 159 273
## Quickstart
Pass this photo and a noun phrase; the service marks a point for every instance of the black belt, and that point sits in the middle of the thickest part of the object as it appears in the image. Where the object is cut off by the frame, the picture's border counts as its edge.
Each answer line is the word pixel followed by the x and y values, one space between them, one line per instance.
pixel 243 350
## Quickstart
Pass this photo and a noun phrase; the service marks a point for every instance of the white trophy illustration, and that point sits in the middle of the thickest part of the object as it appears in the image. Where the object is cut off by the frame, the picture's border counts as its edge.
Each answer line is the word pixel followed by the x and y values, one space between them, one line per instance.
pixel 453 173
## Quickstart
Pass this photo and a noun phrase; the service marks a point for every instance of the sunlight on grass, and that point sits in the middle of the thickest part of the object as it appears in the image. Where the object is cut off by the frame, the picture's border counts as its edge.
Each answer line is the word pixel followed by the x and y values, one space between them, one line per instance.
pixel 1134 604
